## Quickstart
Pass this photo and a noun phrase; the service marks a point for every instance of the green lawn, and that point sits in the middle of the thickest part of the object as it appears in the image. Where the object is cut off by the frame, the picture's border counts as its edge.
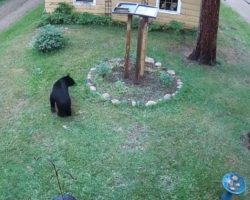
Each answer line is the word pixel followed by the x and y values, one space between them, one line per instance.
pixel 1 1
pixel 175 151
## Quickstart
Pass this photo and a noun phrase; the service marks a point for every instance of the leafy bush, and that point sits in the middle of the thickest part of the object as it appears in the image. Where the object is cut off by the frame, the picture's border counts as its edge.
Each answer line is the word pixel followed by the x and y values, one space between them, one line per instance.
pixel 64 14
pixel 154 26
pixel 175 26
pixel 87 19
pixel 102 69
pixel 166 79
pixel 48 38
pixel 121 87
pixel 64 8
pixel 60 18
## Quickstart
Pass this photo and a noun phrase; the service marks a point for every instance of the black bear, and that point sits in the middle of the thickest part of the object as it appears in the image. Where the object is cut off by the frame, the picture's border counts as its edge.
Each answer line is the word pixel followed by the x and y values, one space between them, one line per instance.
pixel 59 96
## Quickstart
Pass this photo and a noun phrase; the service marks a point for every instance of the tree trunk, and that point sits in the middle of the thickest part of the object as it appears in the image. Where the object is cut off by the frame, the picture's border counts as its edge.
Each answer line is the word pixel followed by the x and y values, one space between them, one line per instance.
pixel 205 50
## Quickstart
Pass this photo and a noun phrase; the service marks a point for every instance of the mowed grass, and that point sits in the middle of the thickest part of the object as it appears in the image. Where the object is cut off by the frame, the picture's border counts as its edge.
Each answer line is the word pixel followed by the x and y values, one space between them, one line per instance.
pixel 177 150
pixel 2 1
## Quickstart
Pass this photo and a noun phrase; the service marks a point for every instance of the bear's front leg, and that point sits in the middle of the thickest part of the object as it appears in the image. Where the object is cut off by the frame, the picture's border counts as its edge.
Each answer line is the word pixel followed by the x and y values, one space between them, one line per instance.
pixel 52 105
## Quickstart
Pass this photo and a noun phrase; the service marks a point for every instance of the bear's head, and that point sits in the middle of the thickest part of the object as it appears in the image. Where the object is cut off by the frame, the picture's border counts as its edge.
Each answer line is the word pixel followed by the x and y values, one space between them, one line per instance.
pixel 68 80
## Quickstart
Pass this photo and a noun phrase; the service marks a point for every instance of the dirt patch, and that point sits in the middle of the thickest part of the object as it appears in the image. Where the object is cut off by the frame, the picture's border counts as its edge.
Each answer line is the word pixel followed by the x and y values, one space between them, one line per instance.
pixel 135 139
pixel 245 140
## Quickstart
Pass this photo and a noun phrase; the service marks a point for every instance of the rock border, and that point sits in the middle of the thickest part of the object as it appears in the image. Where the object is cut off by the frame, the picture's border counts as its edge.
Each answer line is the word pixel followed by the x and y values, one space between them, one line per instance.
pixel 107 97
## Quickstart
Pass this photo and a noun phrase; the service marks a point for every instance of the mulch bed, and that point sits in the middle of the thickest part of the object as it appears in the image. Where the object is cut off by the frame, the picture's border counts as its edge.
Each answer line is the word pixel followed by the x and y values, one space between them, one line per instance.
pixel 149 87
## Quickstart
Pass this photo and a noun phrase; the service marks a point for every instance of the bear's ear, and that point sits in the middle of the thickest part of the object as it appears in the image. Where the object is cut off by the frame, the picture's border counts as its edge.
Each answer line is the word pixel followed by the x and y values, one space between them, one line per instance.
pixel 68 74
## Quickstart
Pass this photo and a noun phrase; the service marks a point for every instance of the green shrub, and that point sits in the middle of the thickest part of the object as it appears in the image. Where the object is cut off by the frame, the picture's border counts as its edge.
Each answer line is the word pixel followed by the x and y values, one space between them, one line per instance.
pixel 154 26
pixel 135 22
pixel 120 87
pixel 60 18
pixel 64 8
pixel 166 79
pixel 48 38
pixel 44 20
pixel 102 69
pixel 64 14
pixel 87 19
pixel 174 26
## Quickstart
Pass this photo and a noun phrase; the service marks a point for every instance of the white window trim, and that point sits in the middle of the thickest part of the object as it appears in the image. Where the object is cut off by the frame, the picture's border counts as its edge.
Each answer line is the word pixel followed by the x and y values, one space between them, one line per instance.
pixel 83 3
pixel 169 11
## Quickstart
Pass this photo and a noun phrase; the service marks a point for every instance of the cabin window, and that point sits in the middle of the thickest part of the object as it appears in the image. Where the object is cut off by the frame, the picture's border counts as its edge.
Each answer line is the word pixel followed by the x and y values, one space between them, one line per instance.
pixel 84 2
pixel 170 6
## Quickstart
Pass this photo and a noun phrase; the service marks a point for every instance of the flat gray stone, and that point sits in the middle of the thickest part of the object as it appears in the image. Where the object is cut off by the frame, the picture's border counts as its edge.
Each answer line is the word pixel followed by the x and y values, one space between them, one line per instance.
pixel 115 101
pixel 150 103
pixel 167 97
pixel 149 60
pixel 179 86
pixel 171 72
pixel 158 64
pixel 106 96
pixel 92 88
pixel 133 103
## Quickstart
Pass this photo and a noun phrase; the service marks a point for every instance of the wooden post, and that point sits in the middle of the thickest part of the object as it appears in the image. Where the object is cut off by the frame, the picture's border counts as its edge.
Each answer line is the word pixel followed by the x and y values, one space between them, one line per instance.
pixel 140 57
pixel 126 64
pixel 144 46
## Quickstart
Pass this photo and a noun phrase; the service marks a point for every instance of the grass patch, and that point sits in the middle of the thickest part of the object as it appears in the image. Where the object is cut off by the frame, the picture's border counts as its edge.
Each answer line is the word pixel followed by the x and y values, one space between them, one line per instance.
pixel 178 150
pixel 2 1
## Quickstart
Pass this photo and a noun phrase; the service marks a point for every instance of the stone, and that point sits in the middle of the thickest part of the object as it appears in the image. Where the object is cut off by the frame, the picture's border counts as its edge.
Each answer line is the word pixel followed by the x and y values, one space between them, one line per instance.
pixel 174 94
pixel 89 76
pixel 167 97
pixel 158 64
pixel 150 103
pixel 179 82
pixel 133 103
pixel 149 61
pixel 93 69
pixel 179 86
pixel 92 88
pixel 65 127
pixel 115 101
pixel 171 72
pixel 106 96
pixel 89 84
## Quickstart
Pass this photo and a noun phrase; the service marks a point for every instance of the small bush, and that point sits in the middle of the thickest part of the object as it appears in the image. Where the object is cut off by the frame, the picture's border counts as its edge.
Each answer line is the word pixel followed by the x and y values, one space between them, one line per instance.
pixel 154 26
pixel 175 26
pixel 64 14
pixel 44 20
pixel 64 8
pixel 60 18
pixel 165 79
pixel 135 22
pixel 48 38
pixel 102 69
pixel 87 19
pixel 121 87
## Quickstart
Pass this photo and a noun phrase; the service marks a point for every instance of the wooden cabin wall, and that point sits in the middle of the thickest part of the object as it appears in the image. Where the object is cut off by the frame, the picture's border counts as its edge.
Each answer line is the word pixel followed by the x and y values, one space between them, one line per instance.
pixel 99 8
pixel 189 15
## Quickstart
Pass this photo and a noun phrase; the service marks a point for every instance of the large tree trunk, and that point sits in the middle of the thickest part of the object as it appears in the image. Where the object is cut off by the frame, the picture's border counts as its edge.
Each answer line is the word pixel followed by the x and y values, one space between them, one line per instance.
pixel 205 50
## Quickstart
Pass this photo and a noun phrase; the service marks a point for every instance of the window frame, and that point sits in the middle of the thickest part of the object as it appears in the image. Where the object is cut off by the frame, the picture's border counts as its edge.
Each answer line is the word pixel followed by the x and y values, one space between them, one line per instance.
pixel 178 11
pixel 79 3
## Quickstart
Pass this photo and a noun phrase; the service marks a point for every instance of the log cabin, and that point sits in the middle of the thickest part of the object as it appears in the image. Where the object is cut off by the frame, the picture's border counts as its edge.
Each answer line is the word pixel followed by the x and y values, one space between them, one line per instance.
pixel 183 11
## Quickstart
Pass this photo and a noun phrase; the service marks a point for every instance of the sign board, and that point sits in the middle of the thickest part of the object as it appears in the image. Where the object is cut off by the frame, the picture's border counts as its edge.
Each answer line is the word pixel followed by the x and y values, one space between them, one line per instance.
pixel 147 11
pixel 125 8
pixel 136 9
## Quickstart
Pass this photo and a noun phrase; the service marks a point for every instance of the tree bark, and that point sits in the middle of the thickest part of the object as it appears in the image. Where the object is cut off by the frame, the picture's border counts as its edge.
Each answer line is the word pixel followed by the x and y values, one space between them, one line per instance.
pixel 205 50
